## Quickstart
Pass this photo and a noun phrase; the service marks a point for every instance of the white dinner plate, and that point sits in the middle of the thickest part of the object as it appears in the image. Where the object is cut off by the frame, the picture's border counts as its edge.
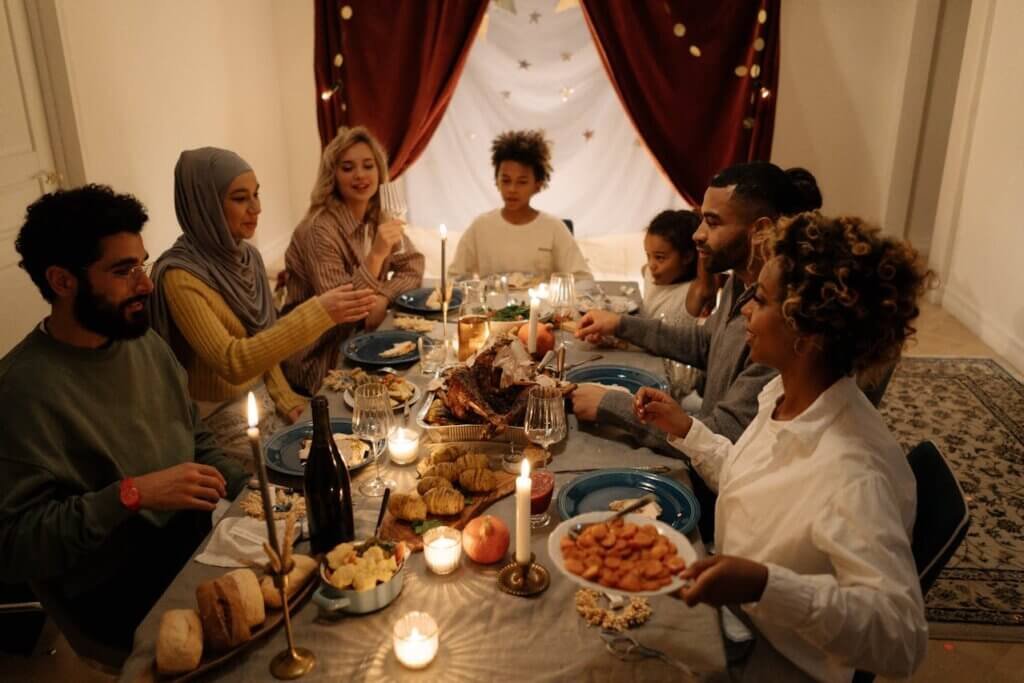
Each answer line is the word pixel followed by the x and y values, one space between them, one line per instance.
pixel 682 544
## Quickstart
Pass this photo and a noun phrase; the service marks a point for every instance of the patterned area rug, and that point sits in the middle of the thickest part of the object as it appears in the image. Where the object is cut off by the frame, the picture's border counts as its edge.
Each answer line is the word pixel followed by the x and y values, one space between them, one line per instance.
pixel 973 410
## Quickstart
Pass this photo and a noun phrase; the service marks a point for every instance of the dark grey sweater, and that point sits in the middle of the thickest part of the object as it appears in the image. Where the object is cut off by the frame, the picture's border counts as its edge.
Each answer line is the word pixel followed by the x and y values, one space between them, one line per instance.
pixel 718 347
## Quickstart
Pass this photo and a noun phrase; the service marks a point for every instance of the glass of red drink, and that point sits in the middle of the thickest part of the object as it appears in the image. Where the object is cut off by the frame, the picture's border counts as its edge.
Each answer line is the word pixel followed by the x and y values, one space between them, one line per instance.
pixel 542 487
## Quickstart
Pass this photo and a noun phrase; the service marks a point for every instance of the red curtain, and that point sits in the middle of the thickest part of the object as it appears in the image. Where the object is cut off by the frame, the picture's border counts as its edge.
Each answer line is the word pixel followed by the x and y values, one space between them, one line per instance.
pixel 702 100
pixel 399 63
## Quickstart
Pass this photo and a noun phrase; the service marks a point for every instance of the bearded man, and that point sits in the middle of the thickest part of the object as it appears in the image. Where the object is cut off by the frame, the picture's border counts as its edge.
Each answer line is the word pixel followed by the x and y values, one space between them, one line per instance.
pixel 109 476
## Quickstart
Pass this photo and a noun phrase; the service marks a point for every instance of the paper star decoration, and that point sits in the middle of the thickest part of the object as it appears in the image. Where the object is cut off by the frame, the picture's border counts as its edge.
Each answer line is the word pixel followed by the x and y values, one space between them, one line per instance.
pixel 506 94
pixel 567 93
pixel 588 134
pixel 564 5
pixel 523 64
pixel 566 56
pixel 534 17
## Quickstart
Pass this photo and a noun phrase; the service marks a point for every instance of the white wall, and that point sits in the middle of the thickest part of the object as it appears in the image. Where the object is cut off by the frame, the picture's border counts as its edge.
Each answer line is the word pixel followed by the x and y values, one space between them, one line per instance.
pixel 979 242
pixel 149 79
pixel 846 84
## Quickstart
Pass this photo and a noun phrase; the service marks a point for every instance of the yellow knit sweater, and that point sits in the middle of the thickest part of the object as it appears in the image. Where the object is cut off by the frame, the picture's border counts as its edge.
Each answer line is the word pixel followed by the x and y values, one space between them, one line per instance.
pixel 222 362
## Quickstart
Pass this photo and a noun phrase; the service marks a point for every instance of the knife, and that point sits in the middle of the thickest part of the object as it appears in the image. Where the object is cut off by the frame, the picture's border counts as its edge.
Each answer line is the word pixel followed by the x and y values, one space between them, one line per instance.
pixel 653 469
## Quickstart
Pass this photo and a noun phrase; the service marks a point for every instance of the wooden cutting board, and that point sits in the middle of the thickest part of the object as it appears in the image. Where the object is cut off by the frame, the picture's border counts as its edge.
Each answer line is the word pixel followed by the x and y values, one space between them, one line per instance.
pixel 393 529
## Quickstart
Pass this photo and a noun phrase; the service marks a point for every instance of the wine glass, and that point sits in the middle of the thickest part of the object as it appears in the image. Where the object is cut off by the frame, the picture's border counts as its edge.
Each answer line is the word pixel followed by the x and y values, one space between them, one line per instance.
pixel 393 207
pixel 545 425
pixel 373 421
pixel 562 297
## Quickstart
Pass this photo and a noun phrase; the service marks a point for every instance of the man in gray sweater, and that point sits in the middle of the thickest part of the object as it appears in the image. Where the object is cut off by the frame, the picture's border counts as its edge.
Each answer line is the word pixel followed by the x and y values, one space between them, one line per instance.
pixel 741 200
pixel 109 475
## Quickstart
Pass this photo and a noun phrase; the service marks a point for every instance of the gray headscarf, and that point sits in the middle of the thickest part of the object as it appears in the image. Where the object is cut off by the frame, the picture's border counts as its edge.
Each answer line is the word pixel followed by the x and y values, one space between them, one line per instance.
pixel 206 248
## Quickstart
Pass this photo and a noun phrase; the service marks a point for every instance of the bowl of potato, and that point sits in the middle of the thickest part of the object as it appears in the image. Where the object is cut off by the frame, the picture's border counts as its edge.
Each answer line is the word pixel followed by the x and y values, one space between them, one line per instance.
pixel 359 578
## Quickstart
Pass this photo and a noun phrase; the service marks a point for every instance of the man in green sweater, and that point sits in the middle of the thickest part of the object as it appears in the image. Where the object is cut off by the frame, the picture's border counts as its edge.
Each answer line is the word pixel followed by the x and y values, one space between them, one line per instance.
pixel 108 475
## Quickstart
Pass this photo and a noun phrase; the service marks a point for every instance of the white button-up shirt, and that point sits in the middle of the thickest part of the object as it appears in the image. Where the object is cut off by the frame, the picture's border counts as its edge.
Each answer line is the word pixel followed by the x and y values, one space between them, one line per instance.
pixel 827 502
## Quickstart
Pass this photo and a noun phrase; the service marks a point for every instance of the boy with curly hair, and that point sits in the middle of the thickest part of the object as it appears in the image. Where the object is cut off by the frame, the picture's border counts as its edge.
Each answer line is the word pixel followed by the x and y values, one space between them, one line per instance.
pixel 518 237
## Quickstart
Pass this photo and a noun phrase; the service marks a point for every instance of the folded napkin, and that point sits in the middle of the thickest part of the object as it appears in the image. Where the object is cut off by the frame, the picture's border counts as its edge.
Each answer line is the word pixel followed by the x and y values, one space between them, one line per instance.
pixel 238 542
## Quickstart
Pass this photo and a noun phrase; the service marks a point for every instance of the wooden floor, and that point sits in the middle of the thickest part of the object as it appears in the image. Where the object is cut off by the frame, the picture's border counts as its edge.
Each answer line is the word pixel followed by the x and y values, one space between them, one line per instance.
pixel 939 334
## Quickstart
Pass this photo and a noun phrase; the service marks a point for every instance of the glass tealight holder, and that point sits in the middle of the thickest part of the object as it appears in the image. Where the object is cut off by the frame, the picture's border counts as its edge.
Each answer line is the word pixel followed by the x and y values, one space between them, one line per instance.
pixel 416 638
pixel 404 446
pixel 442 549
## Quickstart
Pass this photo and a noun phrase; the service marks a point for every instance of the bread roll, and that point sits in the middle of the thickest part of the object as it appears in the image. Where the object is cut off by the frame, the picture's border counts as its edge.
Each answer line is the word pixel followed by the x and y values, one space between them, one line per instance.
pixel 473 461
pixel 444 501
pixel 222 614
pixel 305 567
pixel 478 480
pixel 408 507
pixel 448 470
pixel 427 483
pixel 179 644
pixel 252 596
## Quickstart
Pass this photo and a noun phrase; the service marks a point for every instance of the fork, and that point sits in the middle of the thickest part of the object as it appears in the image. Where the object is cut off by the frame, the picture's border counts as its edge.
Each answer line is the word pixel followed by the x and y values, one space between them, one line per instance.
pixel 624 646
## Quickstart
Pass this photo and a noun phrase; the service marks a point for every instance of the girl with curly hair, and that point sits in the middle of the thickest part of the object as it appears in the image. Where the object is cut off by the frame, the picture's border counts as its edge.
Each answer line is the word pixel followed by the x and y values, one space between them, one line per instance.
pixel 816 500
pixel 671 263
pixel 518 237
pixel 345 239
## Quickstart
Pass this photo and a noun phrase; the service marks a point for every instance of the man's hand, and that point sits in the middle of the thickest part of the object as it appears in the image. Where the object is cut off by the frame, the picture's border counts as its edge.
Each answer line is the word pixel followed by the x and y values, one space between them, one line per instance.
pixel 596 325
pixel 188 486
pixel 378 311
pixel 724 580
pixel 585 400
pixel 657 408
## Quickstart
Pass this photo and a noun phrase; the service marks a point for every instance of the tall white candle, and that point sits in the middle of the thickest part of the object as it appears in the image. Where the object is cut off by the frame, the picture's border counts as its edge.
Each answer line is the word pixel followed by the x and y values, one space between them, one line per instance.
pixel 531 340
pixel 523 514
pixel 261 470
pixel 444 285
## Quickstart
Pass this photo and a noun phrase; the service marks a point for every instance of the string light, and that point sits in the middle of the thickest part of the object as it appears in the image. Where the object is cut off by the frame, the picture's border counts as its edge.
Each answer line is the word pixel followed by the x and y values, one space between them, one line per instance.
pixel 765 93
pixel 328 94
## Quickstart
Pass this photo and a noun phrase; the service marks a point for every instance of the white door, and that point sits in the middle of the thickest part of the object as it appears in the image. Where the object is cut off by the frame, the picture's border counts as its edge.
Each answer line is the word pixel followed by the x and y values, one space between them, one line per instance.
pixel 26 169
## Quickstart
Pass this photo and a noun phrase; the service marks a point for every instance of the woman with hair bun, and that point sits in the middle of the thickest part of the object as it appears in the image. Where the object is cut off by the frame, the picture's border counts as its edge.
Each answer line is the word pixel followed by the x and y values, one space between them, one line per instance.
pixel 816 500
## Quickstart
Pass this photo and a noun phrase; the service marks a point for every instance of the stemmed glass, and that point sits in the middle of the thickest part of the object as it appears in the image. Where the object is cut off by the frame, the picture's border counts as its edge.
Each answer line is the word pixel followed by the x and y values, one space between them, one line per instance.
pixel 393 206
pixel 373 421
pixel 545 425
pixel 562 297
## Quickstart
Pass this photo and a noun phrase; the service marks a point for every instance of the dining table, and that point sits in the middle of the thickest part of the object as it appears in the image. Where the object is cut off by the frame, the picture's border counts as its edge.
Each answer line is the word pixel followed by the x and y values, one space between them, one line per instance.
pixel 485 634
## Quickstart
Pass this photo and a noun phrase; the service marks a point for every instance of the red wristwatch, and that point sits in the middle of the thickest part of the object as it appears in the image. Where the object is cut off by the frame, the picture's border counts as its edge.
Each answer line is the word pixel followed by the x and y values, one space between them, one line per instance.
pixel 130 497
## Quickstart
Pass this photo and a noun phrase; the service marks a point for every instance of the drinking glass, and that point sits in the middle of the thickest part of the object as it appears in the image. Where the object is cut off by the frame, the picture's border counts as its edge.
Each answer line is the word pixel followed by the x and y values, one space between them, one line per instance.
pixel 393 207
pixel 432 355
pixel 562 295
pixel 545 425
pixel 373 421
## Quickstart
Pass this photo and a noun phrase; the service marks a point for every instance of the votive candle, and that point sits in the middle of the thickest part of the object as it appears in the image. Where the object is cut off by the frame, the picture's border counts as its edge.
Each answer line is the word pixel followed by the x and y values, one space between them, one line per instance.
pixel 416 638
pixel 404 446
pixel 442 549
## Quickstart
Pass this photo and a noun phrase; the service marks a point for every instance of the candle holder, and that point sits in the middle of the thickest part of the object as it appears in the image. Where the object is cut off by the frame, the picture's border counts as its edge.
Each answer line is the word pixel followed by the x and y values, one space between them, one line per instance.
pixel 415 639
pixel 293 662
pixel 524 580
pixel 442 549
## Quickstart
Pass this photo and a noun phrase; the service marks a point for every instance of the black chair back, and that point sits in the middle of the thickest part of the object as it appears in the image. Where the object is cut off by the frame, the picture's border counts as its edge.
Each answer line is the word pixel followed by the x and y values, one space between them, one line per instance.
pixel 941 523
pixel 568 224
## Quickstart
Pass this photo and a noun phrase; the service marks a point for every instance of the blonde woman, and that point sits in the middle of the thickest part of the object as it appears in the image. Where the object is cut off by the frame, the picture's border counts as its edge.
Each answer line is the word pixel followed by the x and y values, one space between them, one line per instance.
pixel 345 239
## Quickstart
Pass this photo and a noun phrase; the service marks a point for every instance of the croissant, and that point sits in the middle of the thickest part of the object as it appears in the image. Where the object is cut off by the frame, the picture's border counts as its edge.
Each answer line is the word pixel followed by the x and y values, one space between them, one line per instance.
pixel 448 470
pixel 473 461
pixel 444 501
pixel 445 454
pixel 478 480
pixel 408 506
pixel 427 483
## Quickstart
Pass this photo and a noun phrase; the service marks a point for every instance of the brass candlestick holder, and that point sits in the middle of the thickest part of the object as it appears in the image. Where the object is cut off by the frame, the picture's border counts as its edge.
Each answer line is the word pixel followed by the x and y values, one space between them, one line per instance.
pixel 524 580
pixel 295 661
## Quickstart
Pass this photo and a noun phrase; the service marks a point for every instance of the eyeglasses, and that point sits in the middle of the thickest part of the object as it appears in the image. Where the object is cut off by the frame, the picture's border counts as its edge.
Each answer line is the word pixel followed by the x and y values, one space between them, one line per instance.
pixel 133 272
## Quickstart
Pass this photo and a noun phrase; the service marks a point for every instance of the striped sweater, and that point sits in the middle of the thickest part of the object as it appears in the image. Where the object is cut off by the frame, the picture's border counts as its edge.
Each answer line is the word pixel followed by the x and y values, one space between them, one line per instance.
pixel 222 362
pixel 328 250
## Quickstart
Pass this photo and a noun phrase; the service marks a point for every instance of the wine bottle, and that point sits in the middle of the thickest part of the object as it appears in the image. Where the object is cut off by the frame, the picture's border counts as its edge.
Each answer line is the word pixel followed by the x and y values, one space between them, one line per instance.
pixel 328 486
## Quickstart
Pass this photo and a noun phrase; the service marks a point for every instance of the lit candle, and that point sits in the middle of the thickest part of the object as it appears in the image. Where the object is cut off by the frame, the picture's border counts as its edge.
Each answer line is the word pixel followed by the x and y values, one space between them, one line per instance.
pixel 531 340
pixel 415 638
pixel 404 445
pixel 444 284
pixel 442 549
pixel 523 514
pixel 261 470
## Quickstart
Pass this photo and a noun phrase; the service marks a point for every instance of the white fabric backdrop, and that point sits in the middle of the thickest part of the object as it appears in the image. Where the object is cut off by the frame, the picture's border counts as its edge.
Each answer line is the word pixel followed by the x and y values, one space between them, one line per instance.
pixel 609 186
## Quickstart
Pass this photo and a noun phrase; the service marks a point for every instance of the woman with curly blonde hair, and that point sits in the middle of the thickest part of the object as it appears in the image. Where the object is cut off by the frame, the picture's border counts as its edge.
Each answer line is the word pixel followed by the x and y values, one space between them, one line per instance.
pixel 518 237
pixel 345 239
pixel 816 500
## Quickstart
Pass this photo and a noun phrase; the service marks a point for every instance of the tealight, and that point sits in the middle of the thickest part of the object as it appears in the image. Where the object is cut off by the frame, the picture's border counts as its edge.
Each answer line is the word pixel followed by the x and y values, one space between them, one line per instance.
pixel 442 549
pixel 415 639
pixel 404 446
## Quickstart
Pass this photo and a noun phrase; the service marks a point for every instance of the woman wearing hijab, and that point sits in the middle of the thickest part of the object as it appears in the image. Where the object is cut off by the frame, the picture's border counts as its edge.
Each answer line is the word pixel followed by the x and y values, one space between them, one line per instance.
pixel 346 239
pixel 213 302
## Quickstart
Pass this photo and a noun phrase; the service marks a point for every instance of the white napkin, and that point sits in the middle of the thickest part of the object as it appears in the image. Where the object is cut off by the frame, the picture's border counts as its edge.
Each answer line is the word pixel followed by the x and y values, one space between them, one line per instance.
pixel 238 542
pixel 612 387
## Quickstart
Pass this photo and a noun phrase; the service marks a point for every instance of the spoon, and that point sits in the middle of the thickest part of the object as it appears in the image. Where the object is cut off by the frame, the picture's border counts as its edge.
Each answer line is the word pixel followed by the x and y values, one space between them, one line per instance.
pixel 577 528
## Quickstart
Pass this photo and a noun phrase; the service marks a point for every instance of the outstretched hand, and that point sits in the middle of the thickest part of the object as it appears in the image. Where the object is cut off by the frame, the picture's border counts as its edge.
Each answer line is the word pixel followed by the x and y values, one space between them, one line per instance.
pixel 596 325
pixel 724 580
pixel 188 486
pixel 657 408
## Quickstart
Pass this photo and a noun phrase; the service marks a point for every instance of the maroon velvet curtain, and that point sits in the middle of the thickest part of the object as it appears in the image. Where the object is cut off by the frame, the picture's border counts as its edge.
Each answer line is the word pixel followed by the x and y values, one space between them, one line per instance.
pixel 683 93
pixel 400 61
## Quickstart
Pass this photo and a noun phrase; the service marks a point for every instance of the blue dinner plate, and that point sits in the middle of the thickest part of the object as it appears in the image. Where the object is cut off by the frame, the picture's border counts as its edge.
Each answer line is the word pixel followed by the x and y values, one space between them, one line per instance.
pixel 595 491
pixel 282 451
pixel 365 349
pixel 416 300
pixel 616 375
